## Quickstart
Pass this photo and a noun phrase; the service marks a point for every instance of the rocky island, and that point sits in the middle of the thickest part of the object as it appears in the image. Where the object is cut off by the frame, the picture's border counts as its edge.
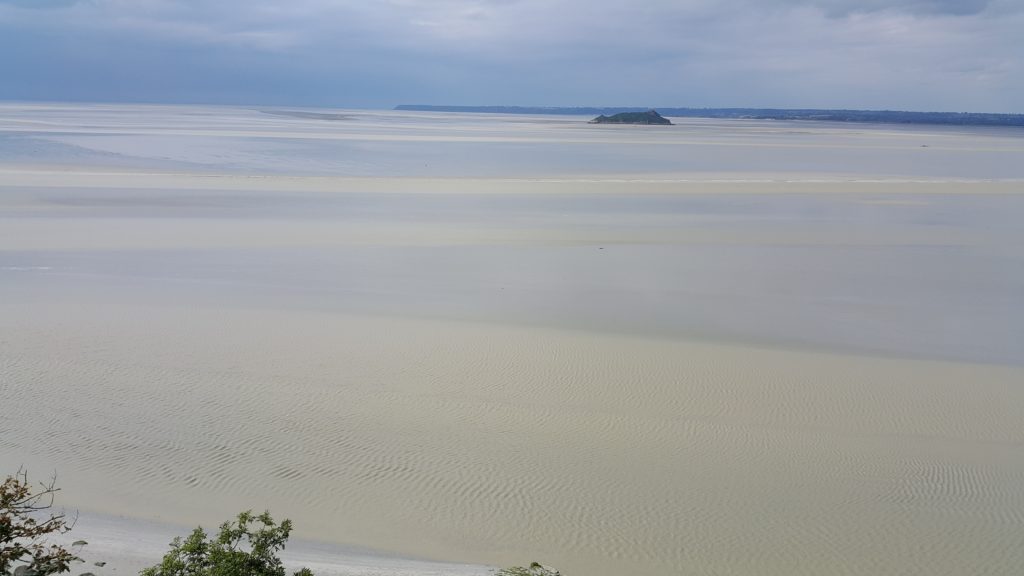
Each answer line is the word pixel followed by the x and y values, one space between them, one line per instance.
pixel 649 117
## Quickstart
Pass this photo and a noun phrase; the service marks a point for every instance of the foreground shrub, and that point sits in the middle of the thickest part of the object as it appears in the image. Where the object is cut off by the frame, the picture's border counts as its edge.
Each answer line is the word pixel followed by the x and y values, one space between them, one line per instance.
pixel 26 520
pixel 246 547
pixel 534 569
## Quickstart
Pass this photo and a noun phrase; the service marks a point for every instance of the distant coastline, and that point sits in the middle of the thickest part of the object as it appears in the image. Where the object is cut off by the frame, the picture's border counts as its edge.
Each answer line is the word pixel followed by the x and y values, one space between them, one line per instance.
pixel 868 116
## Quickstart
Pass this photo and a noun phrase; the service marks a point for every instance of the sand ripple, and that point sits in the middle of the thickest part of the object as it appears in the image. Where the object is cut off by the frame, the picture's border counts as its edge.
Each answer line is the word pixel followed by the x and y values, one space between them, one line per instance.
pixel 498 445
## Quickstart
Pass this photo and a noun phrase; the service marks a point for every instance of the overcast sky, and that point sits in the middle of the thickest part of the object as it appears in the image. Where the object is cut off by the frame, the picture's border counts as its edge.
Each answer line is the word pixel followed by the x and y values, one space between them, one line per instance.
pixel 960 55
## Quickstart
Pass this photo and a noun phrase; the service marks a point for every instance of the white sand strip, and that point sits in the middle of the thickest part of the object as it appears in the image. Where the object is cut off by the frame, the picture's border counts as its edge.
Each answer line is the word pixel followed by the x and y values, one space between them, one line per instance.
pixel 125 545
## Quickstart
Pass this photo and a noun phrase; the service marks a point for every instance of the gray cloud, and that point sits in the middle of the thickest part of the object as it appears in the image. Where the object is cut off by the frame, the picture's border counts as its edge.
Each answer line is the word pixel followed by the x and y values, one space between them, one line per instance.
pixel 40 4
pixel 924 7
pixel 919 54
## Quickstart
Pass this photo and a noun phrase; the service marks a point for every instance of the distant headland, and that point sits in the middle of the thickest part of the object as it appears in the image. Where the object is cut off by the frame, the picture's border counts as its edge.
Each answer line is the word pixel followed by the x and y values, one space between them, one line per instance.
pixel 648 117
pixel 873 116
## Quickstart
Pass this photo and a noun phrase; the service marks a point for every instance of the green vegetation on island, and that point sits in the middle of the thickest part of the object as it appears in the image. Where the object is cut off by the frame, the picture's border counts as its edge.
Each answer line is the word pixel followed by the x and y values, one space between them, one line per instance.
pixel 648 117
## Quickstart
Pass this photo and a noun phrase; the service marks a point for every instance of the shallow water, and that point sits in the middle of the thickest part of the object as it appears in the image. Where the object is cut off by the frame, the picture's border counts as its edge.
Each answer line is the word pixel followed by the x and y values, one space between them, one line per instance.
pixel 935 277
pixel 411 144
pixel 725 348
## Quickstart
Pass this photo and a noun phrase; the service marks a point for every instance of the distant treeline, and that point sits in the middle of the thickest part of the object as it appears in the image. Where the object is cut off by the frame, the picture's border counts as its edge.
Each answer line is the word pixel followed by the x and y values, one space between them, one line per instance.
pixel 880 116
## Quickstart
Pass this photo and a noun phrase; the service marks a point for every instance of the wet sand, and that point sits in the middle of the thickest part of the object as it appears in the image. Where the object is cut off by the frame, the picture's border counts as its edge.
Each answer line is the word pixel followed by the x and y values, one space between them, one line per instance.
pixel 719 372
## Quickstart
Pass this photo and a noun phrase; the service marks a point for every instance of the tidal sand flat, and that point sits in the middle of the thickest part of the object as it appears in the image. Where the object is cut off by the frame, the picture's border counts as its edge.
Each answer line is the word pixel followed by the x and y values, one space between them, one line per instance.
pixel 481 443
pixel 653 368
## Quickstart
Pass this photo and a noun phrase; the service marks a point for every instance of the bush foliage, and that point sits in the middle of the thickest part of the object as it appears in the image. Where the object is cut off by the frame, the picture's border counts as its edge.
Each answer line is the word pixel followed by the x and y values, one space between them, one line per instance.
pixel 26 520
pixel 534 569
pixel 248 546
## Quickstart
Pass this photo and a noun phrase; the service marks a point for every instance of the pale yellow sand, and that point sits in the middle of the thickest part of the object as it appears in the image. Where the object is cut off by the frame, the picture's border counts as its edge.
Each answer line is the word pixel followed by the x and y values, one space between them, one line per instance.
pixel 486 339
pixel 496 444
pixel 31 191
